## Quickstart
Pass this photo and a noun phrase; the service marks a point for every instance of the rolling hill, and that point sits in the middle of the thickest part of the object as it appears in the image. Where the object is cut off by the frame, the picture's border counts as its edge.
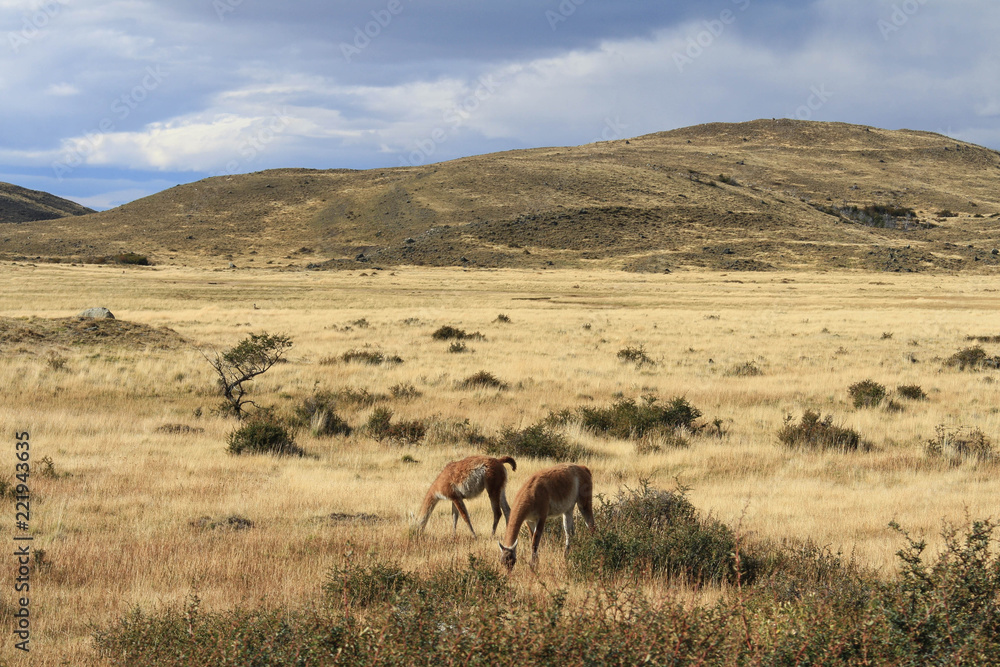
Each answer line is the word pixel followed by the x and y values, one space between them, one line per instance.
pixel 19 204
pixel 745 196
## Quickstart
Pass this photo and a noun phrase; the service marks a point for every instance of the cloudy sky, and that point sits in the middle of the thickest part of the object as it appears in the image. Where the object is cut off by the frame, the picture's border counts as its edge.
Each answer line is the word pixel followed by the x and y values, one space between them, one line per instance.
pixel 103 102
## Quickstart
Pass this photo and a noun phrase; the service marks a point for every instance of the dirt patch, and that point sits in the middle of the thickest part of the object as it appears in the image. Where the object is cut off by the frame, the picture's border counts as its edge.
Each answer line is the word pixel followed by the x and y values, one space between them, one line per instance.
pixel 76 331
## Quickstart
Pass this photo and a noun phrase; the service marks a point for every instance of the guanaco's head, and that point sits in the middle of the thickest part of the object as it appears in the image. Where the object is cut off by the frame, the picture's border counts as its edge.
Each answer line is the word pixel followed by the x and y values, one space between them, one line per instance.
pixel 508 555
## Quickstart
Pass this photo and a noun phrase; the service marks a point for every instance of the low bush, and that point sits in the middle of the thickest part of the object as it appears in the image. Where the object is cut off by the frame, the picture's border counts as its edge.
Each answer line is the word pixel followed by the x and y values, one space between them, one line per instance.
pixel 457 347
pixel 502 319
pixel 538 441
pixel 958 444
pixel 319 413
pixel 483 380
pixel 404 391
pixel 972 358
pixel 912 392
pixel 635 354
pixel 867 394
pixel 627 419
pixel 651 532
pixel 448 332
pixel 263 434
pixel 381 427
pixel 746 369
pixel 370 357
pixel 812 432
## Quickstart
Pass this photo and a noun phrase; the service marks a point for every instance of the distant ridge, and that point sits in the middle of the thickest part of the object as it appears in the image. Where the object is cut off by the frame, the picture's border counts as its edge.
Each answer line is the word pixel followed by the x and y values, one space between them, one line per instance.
pixel 729 196
pixel 19 204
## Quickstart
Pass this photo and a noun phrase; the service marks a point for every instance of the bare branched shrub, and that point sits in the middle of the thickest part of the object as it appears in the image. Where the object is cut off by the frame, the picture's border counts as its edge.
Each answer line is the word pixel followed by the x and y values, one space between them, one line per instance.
pixel 957 444
pixel 814 432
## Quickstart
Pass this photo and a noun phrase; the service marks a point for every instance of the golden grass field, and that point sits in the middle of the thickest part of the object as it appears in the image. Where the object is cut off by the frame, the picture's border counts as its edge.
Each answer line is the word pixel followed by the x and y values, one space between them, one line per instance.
pixel 118 520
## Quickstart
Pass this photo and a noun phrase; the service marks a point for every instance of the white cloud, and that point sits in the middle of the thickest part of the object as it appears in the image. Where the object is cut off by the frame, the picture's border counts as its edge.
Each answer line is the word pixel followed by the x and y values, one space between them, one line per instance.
pixel 62 90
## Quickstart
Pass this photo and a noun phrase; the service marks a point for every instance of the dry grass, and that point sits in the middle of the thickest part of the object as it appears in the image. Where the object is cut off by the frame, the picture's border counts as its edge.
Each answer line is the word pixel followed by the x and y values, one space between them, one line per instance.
pixel 119 522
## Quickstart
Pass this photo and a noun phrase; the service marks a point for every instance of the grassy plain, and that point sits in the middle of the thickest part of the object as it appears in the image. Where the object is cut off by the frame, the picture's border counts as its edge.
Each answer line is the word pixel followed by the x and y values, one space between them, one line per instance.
pixel 120 520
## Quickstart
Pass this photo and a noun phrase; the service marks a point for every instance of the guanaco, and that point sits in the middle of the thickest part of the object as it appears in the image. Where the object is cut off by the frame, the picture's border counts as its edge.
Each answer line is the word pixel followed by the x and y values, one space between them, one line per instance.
pixel 548 493
pixel 467 479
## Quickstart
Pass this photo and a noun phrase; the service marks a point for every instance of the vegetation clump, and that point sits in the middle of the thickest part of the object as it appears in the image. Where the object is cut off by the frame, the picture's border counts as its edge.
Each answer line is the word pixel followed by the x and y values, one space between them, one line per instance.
pixel 627 419
pixel 263 434
pixel 913 392
pixel 319 413
pixel 651 532
pixel 370 357
pixel 538 441
pixel 973 358
pixel 635 354
pixel 746 369
pixel 957 444
pixel 381 427
pixel 483 380
pixel 867 394
pixel 448 332
pixel 813 432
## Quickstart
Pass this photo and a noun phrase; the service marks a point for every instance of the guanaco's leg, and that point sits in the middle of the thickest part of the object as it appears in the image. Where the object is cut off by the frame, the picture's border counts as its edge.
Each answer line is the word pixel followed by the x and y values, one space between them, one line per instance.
pixel 536 539
pixel 568 528
pixel 459 509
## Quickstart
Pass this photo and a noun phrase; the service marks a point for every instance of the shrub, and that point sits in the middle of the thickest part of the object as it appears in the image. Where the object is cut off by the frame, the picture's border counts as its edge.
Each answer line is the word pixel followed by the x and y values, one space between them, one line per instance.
pixel 130 258
pixel 457 347
pixel 959 443
pixel 361 585
pixel 867 394
pixel 729 180
pixel 448 332
pixel 627 419
pixel 651 532
pixel 502 319
pixel 381 427
pixel 404 390
pixel 370 357
pixel 319 413
pixel 911 391
pixel 538 441
pixel 483 380
pixel 635 354
pixel 746 369
pixel 973 358
pixel 263 434
pixel 815 433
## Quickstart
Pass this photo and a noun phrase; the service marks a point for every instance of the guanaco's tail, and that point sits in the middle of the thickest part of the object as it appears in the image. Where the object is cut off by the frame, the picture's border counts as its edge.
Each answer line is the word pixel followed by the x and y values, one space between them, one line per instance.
pixel 511 461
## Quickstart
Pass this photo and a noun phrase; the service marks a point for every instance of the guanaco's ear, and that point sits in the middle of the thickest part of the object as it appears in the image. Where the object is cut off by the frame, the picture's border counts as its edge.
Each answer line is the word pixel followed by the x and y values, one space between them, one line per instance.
pixel 513 546
pixel 502 547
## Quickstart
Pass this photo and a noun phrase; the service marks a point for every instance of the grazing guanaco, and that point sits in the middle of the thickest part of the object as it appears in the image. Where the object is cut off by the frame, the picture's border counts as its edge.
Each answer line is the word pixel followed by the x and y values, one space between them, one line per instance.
pixel 548 493
pixel 467 479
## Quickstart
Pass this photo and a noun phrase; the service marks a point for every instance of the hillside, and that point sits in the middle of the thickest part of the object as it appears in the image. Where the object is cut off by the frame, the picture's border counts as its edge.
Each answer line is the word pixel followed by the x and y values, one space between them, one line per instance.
pixel 746 196
pixel 19 204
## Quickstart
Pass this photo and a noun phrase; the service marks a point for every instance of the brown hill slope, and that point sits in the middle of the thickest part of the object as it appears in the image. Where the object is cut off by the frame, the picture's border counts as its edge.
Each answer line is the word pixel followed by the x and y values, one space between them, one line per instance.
pixel 19 204
pixel 733 196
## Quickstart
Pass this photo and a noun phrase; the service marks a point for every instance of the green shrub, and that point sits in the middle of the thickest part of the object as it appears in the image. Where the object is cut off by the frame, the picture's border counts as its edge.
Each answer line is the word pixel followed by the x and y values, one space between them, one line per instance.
pixel 359 584
pixel 972 358
pixel 448 332
pixel 457 347
pixel 650 532
pixel 538 441
pixel 866 394
pixel 263 434
pixel 381 427
pixel 370 357
pixel 911 391
pixel 130 258
pixel 404 391
pixel 635 354
pixel 815 433
pixel 318 412
pixel 627 419
pixel 483 380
